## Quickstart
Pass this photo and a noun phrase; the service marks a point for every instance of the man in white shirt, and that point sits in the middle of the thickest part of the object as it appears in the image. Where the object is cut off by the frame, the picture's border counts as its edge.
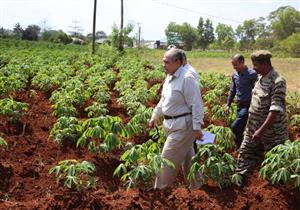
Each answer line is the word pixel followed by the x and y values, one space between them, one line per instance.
pixel 181 105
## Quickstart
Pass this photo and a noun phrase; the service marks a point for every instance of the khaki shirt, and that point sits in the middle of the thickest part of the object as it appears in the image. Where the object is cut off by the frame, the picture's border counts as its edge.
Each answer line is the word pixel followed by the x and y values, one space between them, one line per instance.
pixel 268 95
pixel 181 94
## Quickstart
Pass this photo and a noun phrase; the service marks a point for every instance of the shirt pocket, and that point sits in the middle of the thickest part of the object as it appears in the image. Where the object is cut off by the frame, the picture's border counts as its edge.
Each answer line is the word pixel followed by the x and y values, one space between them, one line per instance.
pixel 264 101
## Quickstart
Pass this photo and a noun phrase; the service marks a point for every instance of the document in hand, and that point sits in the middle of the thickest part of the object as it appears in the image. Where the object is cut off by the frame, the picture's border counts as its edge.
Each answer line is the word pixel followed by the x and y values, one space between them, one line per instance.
pixel 208 138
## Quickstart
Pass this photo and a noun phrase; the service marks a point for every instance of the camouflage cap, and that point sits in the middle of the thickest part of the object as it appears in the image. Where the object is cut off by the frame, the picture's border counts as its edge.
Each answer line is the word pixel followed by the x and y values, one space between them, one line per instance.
pixel 261 55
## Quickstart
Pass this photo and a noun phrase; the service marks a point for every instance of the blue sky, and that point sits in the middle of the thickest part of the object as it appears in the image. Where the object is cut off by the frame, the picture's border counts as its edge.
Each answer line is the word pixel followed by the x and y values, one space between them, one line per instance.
pixel 153 15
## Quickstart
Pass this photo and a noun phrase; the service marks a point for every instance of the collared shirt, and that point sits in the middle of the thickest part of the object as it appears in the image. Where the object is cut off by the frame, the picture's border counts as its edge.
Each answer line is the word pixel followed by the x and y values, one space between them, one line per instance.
pixel 268 95
pixel 181 94
pixel 192 70
pixel 241 85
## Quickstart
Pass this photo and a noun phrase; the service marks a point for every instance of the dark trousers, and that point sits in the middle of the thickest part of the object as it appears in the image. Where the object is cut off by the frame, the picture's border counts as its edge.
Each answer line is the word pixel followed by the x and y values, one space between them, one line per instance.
pixel 238 126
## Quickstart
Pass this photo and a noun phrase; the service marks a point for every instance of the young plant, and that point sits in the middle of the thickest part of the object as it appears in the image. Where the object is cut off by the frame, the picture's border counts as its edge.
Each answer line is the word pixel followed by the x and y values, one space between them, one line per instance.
pixel 213 163
pixel 96 109
pixel 141 164
pixel 224 136
pixel 76 175
pixel 107 129
pixel 63 108
pixel 139 121
pixel 218 113
pixel 12 109
pixel 282 164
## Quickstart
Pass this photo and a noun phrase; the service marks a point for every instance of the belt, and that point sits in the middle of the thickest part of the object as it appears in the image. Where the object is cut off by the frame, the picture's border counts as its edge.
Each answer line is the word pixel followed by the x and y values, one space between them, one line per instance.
pixel 177 116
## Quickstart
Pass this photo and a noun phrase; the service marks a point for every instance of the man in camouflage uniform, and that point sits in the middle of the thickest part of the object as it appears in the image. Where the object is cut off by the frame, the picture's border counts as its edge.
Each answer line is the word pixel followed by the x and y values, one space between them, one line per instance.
pixel 267 121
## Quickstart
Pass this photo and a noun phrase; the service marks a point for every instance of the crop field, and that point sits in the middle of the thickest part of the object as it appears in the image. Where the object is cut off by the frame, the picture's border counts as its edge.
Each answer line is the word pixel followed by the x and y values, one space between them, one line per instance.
pixel 74 135
pixel 289 68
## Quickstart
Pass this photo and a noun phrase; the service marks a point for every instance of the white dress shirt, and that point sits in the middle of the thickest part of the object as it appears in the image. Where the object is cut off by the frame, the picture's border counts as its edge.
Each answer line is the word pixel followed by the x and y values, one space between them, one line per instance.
pixel 181 94
pixel 193 71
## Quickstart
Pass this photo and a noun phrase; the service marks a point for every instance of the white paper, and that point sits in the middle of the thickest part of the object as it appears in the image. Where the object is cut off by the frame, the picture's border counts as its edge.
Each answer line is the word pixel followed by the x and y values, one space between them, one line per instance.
pixel 208 138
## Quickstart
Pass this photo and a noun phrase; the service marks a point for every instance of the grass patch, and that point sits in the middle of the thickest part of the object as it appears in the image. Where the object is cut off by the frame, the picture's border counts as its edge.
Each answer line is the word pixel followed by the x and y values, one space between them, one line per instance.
pixel 289 68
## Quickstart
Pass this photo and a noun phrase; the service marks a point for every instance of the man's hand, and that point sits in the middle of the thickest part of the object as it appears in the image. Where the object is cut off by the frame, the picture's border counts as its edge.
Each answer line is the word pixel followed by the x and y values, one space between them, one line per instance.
pixel 152 123
pixel 198 134
pixel 257 135
pixel 227 110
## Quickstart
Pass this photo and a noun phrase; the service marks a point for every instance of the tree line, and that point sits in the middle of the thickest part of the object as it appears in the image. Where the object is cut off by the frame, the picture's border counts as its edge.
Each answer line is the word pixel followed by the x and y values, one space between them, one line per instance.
pixel 34 33
pixel 279 31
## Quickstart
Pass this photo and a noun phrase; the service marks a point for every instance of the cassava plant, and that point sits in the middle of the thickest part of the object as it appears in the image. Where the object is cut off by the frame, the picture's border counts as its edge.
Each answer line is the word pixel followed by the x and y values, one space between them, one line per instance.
pixel 141 164
pixel 224 136
pixel 66 128
pixel 102 134
pixel 213 163
pixel 96 109
pixel 76 175
pixel 12 109
pixel 218 113
pixel 282 164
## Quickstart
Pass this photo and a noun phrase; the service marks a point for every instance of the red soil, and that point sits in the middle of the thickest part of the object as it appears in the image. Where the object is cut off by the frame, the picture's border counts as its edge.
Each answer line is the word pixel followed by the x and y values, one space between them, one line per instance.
pixel 26 184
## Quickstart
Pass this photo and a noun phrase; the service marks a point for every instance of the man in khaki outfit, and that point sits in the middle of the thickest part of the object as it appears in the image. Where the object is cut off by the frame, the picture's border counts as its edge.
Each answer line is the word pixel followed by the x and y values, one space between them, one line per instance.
pixel 181 106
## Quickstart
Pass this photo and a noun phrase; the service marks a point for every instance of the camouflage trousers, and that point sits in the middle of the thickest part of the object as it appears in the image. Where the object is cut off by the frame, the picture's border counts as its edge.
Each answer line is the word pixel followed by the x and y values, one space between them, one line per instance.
pixel 252 152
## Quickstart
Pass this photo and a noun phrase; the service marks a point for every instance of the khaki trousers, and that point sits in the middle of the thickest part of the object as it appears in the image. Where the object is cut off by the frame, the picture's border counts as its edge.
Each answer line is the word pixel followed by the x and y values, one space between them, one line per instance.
pixel 178 148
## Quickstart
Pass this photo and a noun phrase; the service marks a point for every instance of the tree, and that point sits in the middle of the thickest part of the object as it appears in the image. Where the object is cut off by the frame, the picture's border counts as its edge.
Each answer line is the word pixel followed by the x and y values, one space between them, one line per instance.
pixel 56 37
pixel 172 34
pixel 208 36
pixel 247 33
pixel 63 38
pixel 262 28
pixel 115 35
pixel 18 31
pixel 284 22
pixel 185 34
pixel 4 33
pixel 31 33
pixel 225 36
pixel 101 35
pixel 291 45
pixel 188 35
pixel 200 33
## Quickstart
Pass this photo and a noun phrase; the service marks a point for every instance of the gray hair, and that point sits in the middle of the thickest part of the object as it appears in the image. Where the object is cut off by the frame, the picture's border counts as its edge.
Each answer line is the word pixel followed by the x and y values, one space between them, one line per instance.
pixel 176 54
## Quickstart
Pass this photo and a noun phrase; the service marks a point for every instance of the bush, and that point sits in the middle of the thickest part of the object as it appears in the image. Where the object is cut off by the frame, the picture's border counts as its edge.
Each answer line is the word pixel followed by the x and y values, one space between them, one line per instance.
pixel 291 45
pixel 56 37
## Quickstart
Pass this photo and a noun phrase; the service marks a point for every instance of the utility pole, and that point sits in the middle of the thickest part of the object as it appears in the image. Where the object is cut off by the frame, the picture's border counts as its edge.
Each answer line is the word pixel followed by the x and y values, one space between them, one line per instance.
pixel 121 47
pixel 76 29
pixel 139 35
pixel 94 27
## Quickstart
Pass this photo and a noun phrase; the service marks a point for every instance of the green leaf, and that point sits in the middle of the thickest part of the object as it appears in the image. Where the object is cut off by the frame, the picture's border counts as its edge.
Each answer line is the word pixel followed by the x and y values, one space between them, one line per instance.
pixel 121 169
pixel 237 179
pixel 296 165
pixel 3 142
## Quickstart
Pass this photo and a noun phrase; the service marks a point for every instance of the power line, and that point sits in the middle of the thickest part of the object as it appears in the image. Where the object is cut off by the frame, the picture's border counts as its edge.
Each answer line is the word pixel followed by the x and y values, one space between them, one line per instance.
pixel 194 11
